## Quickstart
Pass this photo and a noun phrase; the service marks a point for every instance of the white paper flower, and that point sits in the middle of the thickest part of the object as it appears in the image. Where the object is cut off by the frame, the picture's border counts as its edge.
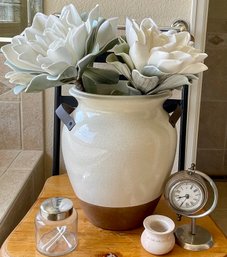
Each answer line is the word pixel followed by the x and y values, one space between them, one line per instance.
pixel 53 48
pixel 157 53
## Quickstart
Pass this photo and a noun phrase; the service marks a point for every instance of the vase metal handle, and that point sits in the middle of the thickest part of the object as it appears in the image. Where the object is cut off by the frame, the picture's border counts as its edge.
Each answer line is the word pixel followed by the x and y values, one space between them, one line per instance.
pixel 63 112
pixel 173 118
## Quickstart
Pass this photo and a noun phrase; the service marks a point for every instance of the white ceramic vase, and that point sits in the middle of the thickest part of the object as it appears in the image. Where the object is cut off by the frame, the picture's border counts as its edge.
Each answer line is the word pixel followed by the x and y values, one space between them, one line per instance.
pixel 157 237
pixel 118 156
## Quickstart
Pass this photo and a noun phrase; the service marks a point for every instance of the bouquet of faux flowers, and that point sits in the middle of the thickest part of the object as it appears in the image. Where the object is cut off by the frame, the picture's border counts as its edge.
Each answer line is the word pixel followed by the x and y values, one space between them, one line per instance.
pixel 58 50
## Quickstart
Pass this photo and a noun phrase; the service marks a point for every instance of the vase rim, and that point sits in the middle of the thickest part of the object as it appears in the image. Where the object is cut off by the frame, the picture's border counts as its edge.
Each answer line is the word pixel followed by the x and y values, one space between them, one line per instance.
pixel 76 92
pixel 151 222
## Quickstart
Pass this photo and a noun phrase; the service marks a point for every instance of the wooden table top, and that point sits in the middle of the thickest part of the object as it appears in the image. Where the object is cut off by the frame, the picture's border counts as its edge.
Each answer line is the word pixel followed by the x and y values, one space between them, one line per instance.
pixel 96 242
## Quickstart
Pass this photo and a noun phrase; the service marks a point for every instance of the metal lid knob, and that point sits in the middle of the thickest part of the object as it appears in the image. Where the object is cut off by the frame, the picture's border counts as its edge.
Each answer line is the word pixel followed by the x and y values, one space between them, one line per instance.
pixel 57 208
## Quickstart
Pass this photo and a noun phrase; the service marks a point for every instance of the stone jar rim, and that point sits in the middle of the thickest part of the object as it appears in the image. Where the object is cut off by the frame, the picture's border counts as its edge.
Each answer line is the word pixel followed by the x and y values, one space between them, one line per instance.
pixel 81 94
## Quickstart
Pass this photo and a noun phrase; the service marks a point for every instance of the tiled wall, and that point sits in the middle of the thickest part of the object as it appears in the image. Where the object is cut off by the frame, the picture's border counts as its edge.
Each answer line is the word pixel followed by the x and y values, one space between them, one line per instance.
pixel 21 117
pixel 21 153
pixel 212 141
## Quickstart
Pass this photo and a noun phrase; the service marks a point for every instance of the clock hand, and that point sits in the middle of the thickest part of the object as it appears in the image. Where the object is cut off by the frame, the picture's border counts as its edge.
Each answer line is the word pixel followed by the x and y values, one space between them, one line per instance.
pixel 186 198
pixel 181 196
pixel 183 202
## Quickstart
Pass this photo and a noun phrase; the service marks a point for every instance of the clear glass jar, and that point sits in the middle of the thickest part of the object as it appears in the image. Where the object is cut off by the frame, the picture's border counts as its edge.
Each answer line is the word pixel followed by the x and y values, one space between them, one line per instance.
pixel 56 227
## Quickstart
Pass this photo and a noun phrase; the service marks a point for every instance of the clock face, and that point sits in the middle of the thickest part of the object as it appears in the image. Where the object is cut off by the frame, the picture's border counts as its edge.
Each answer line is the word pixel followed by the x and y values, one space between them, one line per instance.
pixel 187 196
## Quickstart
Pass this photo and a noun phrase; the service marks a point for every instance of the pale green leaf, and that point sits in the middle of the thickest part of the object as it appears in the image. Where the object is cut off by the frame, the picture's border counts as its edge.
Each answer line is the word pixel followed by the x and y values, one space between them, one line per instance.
pixel 90 58
pixel 120 88
pixel 152 71
pixel 175 81
pixel 91 39
pixel 122 68
pixel 143 83
pixel 40 83
pixel 107 31
pixel 101 75
pixel 44 81
pixel 122 50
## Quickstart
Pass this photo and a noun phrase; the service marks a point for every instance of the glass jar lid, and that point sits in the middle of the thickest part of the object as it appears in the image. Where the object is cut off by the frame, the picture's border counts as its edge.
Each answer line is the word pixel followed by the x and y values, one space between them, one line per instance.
pixel 56 208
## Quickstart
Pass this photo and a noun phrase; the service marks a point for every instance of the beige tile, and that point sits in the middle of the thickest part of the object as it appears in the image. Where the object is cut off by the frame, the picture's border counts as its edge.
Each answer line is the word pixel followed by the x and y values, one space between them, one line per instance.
pixel 38 177
pixel 214 87
pixel 220 218
pixel 9 96
pixel 217 25
pixel 216 61
pixel 219 215
pixel 16 198
pixel 222 196
pixel 7 157
pixel 217 9
pixel 222 191
pixel 19 187
pixel 32 121
pixel 216 40
pixel 3 68
pixel 10 134
pixel 2 171
pixel 5 81
pixel 211 162
pixel 225 158
pixel 212 125
pixel 26 160
pixel 215 78
pixel 3 88
pixel 11 185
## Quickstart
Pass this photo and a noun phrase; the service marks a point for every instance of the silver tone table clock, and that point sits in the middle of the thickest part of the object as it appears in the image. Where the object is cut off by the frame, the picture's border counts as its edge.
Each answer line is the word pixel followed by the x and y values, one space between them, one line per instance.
pixel 187 193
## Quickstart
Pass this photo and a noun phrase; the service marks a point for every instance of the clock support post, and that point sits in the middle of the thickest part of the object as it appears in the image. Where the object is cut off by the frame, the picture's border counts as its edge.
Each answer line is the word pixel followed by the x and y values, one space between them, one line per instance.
pixel 193 226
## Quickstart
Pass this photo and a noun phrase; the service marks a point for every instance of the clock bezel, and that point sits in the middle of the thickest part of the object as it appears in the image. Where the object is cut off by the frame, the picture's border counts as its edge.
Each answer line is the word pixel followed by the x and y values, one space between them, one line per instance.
pixel 183 209
pixel 181 177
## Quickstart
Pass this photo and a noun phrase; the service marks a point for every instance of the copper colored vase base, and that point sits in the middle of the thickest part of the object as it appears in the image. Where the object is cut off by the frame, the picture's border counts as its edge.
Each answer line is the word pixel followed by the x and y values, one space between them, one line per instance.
pixel 118 218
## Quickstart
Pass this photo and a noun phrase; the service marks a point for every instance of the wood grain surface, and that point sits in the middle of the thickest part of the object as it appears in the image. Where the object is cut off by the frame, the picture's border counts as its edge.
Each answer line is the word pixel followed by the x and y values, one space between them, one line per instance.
pixel 96 242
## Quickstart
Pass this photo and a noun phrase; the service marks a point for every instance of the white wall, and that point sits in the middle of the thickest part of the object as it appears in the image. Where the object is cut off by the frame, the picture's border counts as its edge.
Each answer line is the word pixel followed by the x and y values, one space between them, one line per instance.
pixel 163 12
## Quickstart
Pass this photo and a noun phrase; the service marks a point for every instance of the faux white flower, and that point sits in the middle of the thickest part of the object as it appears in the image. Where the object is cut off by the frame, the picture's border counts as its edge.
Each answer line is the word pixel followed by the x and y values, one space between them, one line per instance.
pixel 55 49
pixel 157 53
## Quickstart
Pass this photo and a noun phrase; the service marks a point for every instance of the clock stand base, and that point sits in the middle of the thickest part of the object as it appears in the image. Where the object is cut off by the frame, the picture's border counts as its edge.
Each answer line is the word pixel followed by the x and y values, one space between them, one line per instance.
pixel 201 239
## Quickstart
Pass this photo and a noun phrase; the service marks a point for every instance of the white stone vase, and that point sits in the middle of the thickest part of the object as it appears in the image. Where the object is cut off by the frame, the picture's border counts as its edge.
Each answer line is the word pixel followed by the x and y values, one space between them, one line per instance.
pixel 158 235
pixel 118 156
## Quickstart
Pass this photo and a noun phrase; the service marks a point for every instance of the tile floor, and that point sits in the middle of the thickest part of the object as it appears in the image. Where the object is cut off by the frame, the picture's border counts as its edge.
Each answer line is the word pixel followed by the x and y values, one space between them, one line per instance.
pixel 219 215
